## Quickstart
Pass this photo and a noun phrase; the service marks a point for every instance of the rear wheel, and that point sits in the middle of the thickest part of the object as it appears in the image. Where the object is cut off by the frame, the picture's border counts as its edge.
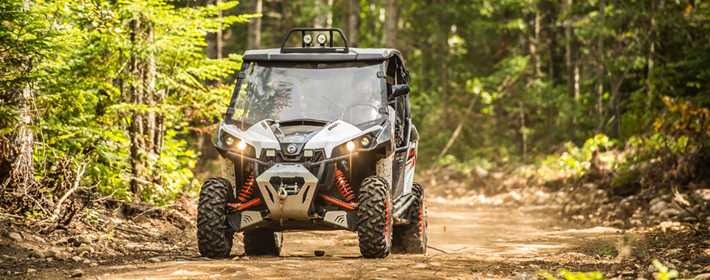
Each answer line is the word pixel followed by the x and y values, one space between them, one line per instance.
pixel 412 238
pixel 262 242
pixel 375 221
pixel 214 237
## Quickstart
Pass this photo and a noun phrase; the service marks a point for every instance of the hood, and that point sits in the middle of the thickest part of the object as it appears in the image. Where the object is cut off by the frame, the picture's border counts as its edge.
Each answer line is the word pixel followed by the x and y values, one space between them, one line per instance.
pixel 336 134
pixel 269 135
pixel 258 136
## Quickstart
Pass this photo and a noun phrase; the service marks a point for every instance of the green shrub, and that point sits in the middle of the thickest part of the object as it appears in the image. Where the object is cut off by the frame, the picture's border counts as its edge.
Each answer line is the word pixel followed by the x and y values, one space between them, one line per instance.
pixel 569 275
pixel 577 160
pixel 664 273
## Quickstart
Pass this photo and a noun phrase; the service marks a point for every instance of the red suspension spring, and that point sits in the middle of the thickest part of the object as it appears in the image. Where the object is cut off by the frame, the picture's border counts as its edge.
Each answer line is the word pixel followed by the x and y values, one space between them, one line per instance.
pixel 247 189
pixel 343 186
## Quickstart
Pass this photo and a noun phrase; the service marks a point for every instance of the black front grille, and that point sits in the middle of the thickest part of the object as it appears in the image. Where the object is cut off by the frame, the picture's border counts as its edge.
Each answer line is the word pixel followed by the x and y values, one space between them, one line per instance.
pixel 291 150
pixel 280 156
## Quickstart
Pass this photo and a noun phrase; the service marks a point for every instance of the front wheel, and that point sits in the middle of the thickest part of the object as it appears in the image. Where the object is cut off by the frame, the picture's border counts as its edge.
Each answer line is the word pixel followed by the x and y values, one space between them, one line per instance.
pixel 375 220
pixel 214 238
pixel 411 238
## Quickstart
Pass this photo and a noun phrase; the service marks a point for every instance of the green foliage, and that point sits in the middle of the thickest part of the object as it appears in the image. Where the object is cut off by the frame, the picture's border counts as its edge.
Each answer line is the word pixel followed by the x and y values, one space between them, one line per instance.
pixel 577 160
pixel 176 163
pixel 465 167
pixel 83 108
pixel 23 42
pixel 664 273
pixel 626 175
pixel 521 78
pixel 568 275
pixel 684 122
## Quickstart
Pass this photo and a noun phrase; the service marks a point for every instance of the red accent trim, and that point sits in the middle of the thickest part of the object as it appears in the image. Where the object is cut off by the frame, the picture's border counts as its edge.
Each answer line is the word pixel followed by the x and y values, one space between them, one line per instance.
pixel 337 202
pixel 412 153
pixel 247 189
pixel 343 186
pixel 246 205
pixel 387 219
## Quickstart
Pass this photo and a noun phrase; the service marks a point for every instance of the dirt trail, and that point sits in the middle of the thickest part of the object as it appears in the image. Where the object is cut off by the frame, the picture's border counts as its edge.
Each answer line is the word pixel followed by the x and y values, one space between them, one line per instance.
pixel 467 243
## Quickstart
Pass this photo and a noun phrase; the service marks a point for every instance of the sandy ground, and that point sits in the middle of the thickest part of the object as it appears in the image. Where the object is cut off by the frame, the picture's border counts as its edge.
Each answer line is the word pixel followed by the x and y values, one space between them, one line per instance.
pixel 466 243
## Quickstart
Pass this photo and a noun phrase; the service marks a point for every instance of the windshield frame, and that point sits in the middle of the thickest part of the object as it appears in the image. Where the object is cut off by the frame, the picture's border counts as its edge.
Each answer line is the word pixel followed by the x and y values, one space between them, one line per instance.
pixel 229 117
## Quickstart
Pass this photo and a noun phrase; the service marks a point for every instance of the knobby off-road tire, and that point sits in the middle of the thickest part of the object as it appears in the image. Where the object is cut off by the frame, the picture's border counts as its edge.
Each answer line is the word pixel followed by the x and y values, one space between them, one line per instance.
pixel 374 215
pixel 412 238
pixel 214 237
pixel 262 242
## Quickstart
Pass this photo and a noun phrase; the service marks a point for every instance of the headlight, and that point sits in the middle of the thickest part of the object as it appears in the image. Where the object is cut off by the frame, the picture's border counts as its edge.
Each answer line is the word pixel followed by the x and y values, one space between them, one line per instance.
pixel 365 141
pixel 350 146
pixel 241 145
pixel 361 143
pixel 236 145
pixel 229 141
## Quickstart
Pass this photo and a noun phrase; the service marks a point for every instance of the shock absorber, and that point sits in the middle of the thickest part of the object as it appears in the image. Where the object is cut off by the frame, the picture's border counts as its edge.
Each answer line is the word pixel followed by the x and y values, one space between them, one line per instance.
pixel 343 186
pixel 247 189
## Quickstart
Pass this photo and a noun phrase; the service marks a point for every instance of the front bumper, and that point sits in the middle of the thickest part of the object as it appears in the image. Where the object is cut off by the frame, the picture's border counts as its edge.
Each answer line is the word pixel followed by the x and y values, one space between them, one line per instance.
pixel 288 191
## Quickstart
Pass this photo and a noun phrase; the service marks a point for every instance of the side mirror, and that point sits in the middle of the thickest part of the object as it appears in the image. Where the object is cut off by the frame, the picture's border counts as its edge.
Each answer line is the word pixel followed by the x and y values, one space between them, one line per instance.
pixel 399 90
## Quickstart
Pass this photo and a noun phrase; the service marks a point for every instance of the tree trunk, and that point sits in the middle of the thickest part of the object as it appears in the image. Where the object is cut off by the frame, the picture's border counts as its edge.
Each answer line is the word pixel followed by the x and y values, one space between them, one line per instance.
pixel 571 59
pixel 155 119
pixel 136 129
pixel 616 101
pixel 215 40
pixel 16 152
pixel 219 35
pixel 523 131
pixel 254 38
pixel 457 130
pixel 568 44
pixel 552 30
pixel 600 71
pixel 324 14
pixel 650 59
pixel 20 177
pixel 147 128
pixel 329 14
pixel 286 21
pixel 22 170
pixel 533 43
pixel 353 21
pixel 391 24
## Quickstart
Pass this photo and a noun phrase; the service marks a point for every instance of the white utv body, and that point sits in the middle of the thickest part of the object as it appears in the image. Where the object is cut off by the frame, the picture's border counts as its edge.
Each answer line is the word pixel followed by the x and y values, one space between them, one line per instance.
pixel 318 137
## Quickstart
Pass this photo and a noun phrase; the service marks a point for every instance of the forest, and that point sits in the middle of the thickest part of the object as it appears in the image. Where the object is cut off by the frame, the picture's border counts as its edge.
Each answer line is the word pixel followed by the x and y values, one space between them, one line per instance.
pixel 114 102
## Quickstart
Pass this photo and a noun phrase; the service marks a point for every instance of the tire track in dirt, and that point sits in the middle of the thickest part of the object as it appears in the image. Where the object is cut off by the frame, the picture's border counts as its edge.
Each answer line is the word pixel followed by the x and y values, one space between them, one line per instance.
pixel 466 243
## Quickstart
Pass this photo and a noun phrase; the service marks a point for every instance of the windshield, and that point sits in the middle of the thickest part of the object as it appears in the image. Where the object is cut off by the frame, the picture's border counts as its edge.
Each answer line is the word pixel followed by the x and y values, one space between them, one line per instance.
pixel 351 92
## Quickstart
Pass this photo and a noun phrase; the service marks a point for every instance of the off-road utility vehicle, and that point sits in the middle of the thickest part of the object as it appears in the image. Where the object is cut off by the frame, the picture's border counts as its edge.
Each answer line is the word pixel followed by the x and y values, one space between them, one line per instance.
pixel 318 137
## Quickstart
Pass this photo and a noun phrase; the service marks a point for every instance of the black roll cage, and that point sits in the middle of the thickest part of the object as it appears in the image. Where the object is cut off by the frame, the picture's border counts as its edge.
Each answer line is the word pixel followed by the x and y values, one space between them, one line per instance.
pixel 306 49
pixel 325 50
